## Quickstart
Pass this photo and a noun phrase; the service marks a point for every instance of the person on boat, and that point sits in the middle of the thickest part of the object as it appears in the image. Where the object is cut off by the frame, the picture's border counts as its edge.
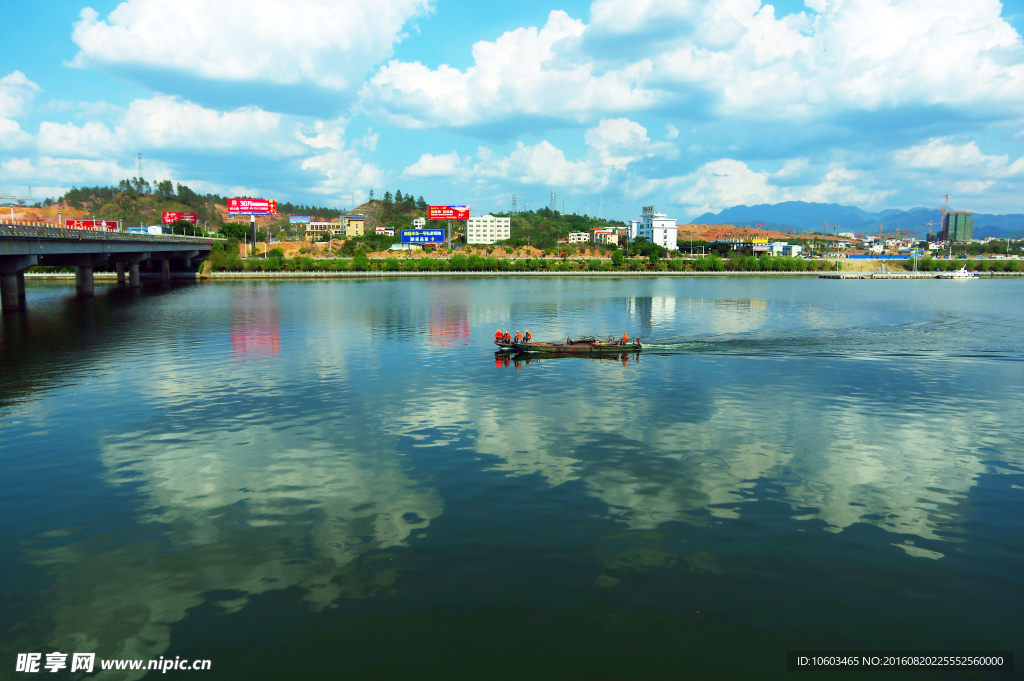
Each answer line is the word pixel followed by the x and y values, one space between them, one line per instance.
pixel 499 336
pixel 625 339
pixel 519 338
pixel 508 337
pixel 528 336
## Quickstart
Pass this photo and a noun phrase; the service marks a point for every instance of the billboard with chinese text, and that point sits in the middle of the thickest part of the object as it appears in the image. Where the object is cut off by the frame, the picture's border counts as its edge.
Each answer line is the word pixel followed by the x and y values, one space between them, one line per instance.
pixel 91 224
pixel 252 206
pixel 449 212
pixel 171 217
pixel 422 236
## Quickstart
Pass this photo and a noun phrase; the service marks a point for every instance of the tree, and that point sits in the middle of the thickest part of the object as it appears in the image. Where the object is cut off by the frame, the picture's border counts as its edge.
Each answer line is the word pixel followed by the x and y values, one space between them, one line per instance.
pixel 187 196
pixel 235 230
pixel 371 195
pixel 421 204
pixel 165 188
pixel 398 196
pixel 361 263
pixel 387 198
pixel 617 257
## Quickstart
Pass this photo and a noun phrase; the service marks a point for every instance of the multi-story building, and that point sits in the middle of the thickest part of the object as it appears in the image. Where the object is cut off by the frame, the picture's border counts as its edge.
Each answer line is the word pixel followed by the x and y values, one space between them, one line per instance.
pixel 957 226
pixel 487 229
pixel 419 223
pixel 316 230
pixel 657 228
pixel 604 236
pixel 578 237
pixel 355 224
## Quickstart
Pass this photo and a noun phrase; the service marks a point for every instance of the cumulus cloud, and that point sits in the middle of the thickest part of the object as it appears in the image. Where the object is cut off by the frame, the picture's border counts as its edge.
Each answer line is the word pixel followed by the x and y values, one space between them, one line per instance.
pixel 620 141
pixel 442 165
pixel 720 58
pixel 938 153
pixel 726 182
pixel 16 93
pixel 539 164
pixel 523 72
pixel 164 122
pixel 329 46
pixel 65 172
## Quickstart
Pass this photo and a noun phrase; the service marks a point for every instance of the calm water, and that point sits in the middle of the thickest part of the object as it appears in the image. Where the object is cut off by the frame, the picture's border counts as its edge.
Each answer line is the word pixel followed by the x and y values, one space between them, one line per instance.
pixel 337 479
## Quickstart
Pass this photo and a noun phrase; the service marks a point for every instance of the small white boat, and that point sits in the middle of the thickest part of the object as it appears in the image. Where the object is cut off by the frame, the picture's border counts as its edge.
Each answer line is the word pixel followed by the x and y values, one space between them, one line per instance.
pixel 961 273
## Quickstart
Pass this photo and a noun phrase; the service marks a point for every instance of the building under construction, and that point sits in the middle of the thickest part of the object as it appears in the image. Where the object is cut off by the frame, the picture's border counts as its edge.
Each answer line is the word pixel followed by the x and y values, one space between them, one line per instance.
pixel 957 226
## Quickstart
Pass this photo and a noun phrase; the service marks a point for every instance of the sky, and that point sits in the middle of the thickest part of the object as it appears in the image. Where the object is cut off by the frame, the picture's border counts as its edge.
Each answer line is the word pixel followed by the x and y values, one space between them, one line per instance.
pixel 685 105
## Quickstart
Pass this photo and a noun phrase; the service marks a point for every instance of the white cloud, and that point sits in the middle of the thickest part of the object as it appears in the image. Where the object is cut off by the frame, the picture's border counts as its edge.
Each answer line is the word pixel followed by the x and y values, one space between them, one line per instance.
pixel 328 45
pixel 16 93
pixel 540 164
pixel 523 72
pixel 726 182
pixel 164 122
pixel 66 172
pixel 67 139
pixel 167 122
pixel 442 165
pixel 973 187
pixel 937 153
pixel 620 141
pixel 723 57
pixel 344 174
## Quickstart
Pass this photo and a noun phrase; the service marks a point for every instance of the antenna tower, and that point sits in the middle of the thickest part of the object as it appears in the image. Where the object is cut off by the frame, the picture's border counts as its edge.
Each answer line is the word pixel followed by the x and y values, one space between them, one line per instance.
pixel 554 202
pixel 514 204
pixel 140 165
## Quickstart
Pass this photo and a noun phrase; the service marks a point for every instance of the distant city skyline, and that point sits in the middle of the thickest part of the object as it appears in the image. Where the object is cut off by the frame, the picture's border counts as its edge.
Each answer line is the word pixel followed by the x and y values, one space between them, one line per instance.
pixel 692 107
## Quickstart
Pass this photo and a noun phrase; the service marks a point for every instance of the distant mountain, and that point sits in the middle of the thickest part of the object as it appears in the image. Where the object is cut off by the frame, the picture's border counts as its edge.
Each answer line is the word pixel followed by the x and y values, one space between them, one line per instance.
pixel 802 216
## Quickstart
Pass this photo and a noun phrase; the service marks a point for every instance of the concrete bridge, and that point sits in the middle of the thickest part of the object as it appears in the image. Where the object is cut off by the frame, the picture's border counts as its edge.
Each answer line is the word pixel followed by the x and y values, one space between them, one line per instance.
pixel 26 245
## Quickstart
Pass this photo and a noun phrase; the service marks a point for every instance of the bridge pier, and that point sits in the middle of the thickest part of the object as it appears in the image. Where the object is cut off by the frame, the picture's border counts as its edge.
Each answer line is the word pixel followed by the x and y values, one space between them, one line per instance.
pixel 119 268
pixel 9 291
pixel 12 280
pixel 165 270
pixel 83 278
pixel 133 275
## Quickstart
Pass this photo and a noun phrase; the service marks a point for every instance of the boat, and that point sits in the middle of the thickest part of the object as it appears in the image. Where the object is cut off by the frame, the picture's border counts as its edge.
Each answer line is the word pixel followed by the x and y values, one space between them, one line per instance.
pixel 961 273
pixel 587 345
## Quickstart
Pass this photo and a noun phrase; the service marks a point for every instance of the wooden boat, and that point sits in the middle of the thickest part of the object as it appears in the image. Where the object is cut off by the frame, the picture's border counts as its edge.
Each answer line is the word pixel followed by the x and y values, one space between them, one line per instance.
pixel 578 346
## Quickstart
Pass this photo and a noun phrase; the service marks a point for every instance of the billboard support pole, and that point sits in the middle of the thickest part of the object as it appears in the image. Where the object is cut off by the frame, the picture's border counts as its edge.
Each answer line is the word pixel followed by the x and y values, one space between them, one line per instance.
pixel 448 235
pixel 252 229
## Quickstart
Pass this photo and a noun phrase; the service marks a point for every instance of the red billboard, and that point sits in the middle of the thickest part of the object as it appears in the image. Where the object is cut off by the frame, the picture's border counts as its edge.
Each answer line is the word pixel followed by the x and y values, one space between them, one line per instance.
pixel 91 224
pixel 252 206
pixel 449 212
pixel 170 217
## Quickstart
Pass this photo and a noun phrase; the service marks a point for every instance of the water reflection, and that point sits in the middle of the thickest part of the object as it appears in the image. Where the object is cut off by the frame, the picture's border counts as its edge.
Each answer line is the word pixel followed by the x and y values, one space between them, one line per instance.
pixel 223 480
pixel 255 324
pixel 507 359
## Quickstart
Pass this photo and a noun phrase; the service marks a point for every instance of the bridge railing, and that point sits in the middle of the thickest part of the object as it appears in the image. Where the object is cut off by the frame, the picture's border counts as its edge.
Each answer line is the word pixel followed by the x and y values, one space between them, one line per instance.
pixel 47 230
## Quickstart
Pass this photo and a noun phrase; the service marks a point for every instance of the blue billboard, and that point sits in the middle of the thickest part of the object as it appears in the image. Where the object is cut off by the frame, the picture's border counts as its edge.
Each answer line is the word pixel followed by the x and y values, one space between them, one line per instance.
pixel 422 236
pixel 299 219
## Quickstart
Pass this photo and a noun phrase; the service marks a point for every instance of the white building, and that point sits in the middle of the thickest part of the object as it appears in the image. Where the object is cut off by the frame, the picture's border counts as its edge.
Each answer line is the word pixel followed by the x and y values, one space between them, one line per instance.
pixel 578 237
pixel 487 229
pixel 791 250
pixel 604 236
pixel 657 228
pixel 419 223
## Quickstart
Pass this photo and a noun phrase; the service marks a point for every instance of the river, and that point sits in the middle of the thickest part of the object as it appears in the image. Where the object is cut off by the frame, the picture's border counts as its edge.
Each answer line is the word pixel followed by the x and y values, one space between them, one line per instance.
pixel 339 479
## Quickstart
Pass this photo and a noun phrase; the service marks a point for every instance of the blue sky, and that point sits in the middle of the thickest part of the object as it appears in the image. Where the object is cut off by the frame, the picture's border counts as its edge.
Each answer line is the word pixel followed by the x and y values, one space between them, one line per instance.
pixel 690 106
